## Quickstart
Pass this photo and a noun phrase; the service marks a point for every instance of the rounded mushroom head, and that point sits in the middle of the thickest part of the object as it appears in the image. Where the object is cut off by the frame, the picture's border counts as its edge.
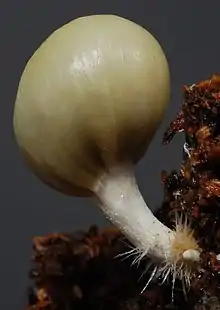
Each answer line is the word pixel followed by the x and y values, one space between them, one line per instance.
pixel 91 97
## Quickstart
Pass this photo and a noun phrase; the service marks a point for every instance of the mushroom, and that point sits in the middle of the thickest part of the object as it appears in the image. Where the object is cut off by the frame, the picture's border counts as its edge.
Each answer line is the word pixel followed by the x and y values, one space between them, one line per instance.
pixel 88 104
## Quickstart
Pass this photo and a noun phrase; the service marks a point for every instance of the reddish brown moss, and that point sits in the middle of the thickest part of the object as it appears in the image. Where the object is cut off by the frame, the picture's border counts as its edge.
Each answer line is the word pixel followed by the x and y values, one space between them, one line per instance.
pixel 80 271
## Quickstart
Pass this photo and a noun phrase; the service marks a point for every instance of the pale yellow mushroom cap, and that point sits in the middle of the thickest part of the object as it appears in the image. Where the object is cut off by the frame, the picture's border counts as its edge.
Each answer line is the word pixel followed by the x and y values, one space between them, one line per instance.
pixel 90 97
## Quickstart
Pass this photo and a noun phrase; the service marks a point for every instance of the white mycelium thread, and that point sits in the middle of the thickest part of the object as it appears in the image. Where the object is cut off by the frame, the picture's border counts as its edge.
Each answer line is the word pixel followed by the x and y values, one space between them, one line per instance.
pixel 174 251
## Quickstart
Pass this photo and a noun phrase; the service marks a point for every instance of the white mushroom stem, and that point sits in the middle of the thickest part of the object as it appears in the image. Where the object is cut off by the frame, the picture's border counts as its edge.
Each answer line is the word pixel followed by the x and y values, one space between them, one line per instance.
pixel 123 204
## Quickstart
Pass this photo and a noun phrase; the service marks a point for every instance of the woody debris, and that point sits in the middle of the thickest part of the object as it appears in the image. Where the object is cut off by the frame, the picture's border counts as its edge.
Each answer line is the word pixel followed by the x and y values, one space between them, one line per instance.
pixel 84 270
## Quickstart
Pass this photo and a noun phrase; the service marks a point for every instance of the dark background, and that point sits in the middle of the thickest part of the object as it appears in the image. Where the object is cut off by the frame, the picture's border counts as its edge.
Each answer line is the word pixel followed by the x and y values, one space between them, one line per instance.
pixel 189 34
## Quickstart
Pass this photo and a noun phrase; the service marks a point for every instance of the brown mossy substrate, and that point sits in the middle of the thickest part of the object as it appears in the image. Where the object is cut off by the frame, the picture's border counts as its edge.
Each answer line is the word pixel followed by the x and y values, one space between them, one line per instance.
pixel 80 271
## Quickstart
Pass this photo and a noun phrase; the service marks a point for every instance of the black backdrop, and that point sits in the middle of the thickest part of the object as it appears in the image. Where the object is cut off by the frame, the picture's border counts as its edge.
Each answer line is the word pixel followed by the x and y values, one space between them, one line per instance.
pixel 189 34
